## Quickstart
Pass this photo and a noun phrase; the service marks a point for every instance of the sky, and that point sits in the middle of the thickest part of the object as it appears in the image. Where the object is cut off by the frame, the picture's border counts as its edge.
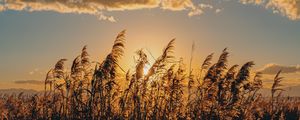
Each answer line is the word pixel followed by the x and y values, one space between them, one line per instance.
pixel 34 35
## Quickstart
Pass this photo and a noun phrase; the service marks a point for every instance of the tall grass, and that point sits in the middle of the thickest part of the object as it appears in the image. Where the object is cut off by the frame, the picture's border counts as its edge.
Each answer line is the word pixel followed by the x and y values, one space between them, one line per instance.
pixel 98 90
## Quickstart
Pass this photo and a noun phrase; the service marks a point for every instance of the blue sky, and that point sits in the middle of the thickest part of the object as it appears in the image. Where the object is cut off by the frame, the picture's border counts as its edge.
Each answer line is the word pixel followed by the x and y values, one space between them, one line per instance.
pixel 32 42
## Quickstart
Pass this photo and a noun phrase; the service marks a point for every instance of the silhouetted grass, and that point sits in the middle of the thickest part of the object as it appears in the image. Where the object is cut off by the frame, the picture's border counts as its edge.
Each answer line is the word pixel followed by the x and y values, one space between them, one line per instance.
pixel 95 90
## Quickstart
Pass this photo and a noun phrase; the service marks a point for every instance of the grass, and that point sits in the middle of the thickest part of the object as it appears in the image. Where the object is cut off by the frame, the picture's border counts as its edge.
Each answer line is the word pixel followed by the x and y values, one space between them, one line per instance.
pixel 93 91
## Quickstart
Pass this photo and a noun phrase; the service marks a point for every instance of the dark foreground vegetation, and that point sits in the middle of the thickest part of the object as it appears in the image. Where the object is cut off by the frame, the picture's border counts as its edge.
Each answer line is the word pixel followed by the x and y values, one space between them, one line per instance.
pixel 103 90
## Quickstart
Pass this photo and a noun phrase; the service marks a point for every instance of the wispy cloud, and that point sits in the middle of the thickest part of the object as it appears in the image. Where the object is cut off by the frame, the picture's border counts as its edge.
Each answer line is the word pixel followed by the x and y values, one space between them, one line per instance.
pixel 37 71
pixel 289 80
pixel 252 1
pixel 273 68
pixel 34 82
pixel 289 73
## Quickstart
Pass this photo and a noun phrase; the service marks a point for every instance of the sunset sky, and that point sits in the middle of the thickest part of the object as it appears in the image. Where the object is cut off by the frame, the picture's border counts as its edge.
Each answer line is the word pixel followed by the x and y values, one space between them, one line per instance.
pixel 35 34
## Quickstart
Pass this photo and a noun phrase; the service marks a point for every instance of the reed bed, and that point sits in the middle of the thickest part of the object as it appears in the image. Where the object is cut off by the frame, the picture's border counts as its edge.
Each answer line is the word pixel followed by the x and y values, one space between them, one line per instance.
pixel 168 91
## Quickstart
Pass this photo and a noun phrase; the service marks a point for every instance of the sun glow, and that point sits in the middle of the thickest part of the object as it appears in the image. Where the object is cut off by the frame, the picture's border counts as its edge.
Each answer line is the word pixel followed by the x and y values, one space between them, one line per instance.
pixel 146 69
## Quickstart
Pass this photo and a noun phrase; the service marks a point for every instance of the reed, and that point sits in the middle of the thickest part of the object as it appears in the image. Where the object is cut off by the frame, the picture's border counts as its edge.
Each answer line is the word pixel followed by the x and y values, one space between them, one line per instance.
pixel 101 90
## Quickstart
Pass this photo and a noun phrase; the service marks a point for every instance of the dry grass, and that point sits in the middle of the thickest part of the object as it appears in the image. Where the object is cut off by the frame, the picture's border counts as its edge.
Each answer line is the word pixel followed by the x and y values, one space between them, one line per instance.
pixel 167 91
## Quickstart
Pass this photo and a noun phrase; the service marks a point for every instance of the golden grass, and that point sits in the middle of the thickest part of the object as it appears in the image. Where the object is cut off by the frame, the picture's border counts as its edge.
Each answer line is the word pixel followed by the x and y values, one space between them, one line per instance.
pixel 93 91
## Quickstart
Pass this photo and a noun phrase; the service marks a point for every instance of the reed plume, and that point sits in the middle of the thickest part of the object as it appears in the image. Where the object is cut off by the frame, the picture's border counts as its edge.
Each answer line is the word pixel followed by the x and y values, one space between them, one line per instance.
pixel 97 90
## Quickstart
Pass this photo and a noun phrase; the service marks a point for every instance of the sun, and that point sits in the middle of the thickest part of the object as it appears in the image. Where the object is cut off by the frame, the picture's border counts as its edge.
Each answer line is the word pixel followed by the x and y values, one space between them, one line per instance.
pixel 146 69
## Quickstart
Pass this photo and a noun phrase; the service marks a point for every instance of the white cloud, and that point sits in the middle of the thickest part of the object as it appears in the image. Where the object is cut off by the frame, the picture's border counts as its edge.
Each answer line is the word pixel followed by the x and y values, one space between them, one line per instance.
pixel 101 16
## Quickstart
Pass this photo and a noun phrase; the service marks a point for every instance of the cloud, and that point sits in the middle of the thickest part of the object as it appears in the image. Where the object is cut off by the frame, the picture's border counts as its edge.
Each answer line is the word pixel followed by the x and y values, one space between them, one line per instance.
pixel 36 71
pixel 34 82
pixel 289 80
pixel 78 6
pixel 206 6
pixel 98 7
pixel 288 8
pixel 93 7
pixel 290 75
pixel 195 11
pixel 198 10
pixel 251 1
pixel 176 4
pixel 274 68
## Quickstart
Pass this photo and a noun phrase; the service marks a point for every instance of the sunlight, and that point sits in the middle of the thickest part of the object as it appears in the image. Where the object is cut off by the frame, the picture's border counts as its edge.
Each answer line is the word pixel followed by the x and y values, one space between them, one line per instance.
pixel 146 69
